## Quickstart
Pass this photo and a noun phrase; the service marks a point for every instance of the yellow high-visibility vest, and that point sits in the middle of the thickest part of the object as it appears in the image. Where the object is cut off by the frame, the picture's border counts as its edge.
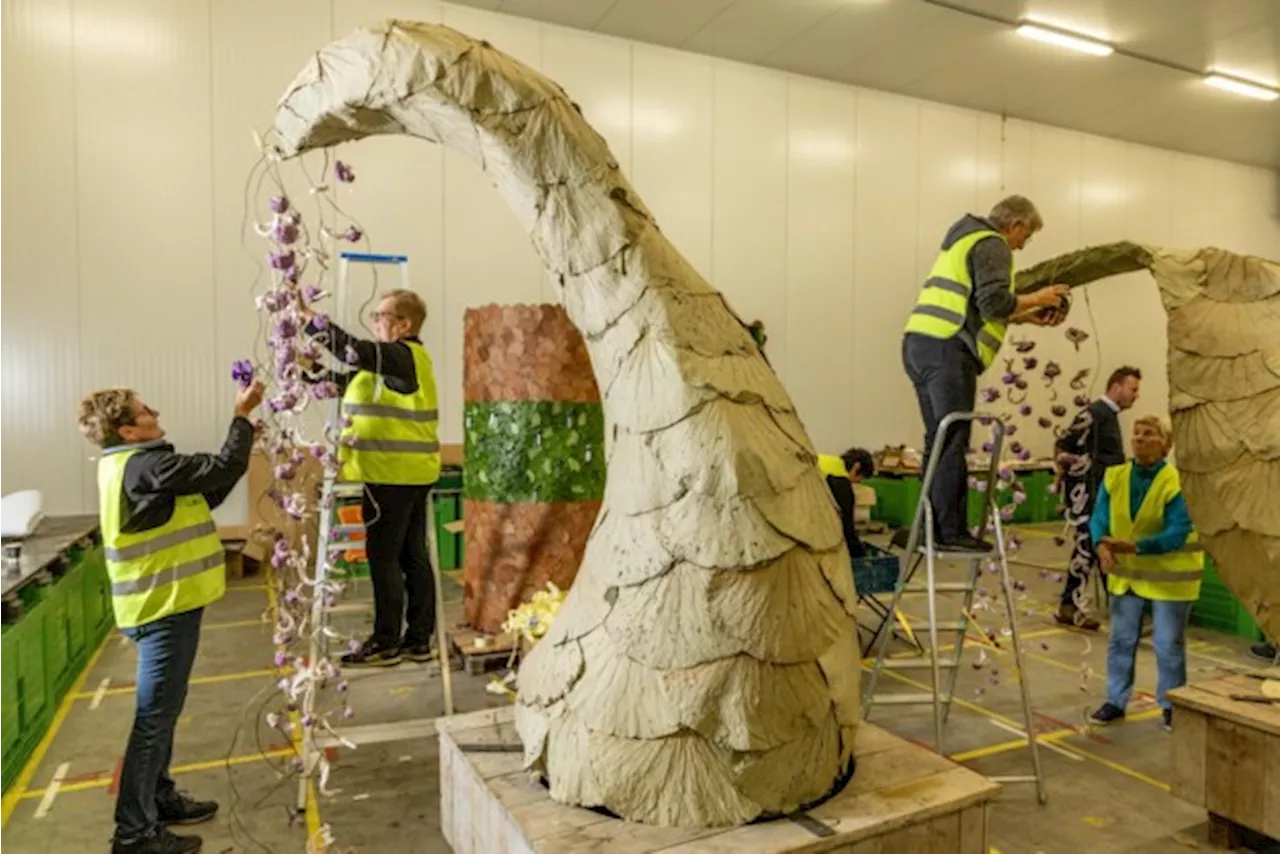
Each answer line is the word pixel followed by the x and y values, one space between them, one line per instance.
pixel 172 569
pixel 393 437
pixel 944 300
pixel 832 466
pixel 1172 577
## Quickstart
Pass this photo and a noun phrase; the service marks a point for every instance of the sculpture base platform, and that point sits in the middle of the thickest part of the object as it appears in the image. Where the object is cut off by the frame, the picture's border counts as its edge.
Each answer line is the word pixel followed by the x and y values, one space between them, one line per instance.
pixel 1226 755
pixel 902 798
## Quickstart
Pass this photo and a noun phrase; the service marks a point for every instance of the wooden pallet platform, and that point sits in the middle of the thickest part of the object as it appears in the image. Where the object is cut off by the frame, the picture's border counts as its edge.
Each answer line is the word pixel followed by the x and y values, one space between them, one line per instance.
pixel 902 798
pixel 481 652
pixel 1226 756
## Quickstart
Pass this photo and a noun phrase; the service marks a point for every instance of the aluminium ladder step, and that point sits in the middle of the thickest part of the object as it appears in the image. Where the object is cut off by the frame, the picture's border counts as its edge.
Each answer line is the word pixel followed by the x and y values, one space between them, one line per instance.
pixel 910 698
pixel 941 587
pixel 918 663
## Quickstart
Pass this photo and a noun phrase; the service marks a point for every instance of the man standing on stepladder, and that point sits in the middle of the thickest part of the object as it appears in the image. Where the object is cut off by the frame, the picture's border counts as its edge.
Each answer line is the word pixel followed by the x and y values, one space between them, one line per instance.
pixel 953 335
pixel 390 445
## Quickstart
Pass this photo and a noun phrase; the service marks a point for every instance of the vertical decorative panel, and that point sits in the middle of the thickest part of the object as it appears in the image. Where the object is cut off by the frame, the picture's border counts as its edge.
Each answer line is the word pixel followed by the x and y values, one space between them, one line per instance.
pixel 534 449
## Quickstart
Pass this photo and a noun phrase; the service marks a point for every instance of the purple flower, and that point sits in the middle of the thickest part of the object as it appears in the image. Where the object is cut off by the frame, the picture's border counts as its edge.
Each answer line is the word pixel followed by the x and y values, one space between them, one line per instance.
pixel 1005 473
pixel 308 721
pixel 1024 410
pixel 1019 585
pixel 282 658
pixel 1044 423
pixel 283 472
pixel 325 391
pixel 291 274
pixel 1024 455
pixel 1081 400
pixel 1019 497
pixel 348 713
pixel 320 321
pixel 1010 429
pixel 352 234
pixel 242 372
pixel 278 204
pixel 284 232
pixel 343 172
pixel 280 260
pixel 1020 384
pixel 311 293
pixel 292 597
pixel 987 447
pixel 990 395
pixel 1030 363
pixel 286 327
pixel 1059 410
pixel 1016 447
pixel 1006 512
pixel 342 687
pixel 1009 378
pixel 350 356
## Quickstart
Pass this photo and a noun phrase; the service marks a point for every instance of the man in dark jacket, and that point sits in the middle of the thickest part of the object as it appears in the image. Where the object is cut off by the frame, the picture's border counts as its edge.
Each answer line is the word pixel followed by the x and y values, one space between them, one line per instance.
pixel 165 564
pixel 1095 433
pixel 953 335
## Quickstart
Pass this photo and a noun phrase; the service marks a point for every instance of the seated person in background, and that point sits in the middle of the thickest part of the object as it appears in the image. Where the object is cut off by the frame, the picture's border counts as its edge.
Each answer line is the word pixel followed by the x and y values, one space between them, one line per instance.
pixel 1150 553
pixel 860 463
pixel 840 482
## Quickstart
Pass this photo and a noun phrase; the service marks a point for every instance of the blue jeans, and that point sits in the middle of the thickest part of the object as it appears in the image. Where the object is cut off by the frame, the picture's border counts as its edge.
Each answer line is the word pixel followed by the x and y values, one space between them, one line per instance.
pixel 166 652
pixel 1170 621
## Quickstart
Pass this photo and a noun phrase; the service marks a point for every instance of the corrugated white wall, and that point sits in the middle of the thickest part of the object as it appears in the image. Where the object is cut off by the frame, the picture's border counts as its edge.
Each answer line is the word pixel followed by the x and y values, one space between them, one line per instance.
pixel 815 207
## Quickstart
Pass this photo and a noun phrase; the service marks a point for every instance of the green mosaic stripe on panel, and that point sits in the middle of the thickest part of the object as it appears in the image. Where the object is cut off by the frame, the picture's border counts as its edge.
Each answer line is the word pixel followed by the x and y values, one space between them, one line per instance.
pixel 533 451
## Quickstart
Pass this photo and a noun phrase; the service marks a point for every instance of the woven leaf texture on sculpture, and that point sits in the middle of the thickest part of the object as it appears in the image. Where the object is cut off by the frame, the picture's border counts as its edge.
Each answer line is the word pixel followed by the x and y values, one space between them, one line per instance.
pixel 703 670
pixel 1224 397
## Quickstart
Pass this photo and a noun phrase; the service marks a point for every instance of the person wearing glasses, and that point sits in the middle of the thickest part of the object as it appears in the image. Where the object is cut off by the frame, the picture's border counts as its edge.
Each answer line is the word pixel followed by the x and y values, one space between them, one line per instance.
pixel 390 444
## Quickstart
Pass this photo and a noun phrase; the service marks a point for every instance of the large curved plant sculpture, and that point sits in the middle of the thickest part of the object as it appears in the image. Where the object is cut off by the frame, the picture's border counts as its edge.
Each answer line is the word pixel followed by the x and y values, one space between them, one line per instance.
pixel 1224 396
pixel 704 668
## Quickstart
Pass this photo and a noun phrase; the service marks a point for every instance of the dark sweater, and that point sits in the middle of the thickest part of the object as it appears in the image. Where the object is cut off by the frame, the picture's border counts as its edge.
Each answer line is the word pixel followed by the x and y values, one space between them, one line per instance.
pixel 1104 442
pixel 156 475
pixel 393 361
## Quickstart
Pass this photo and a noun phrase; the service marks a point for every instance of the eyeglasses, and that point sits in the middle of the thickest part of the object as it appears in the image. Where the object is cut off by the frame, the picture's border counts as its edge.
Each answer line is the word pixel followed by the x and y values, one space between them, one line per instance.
pixel 375 316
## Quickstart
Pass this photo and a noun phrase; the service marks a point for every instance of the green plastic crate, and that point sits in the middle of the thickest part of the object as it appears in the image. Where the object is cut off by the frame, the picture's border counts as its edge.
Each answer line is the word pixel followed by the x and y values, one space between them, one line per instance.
pixel 896 499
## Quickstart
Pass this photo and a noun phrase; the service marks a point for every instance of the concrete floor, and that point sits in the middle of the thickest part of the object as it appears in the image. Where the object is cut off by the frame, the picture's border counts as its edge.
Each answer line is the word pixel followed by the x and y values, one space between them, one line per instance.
pixel 1107 789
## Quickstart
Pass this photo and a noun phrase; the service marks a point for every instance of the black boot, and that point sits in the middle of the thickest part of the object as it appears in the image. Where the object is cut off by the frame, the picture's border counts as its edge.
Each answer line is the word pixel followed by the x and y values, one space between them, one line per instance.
pixel 180 808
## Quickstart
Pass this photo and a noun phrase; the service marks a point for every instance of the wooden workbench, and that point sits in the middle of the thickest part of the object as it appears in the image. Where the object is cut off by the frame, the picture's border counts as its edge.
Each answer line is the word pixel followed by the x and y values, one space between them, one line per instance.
pixel 1226 756
pixel 902 798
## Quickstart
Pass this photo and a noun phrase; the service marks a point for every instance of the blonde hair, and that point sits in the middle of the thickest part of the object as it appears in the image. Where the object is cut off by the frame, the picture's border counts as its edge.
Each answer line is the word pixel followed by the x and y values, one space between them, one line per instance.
pixel 410 306
pixel 103 413
pixel 1160 426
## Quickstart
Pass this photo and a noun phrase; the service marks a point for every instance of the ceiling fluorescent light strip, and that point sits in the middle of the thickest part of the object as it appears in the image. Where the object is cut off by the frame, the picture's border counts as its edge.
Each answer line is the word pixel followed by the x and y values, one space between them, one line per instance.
pixel 1061 38
pixel 1241 87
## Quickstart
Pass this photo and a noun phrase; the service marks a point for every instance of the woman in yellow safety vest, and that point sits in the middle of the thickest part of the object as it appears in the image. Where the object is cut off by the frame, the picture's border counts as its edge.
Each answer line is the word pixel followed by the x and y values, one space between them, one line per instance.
pixel 1151 554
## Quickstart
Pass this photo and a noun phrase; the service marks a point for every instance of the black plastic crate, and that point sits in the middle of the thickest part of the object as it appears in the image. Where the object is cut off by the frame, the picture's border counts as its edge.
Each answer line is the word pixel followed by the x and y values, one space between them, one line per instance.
pixel 875 572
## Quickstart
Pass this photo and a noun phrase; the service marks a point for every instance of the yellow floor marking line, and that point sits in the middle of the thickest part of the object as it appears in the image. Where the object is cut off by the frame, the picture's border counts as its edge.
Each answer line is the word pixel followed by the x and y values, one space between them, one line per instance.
pixel 50 793
pixel 246 588
pixel 105 781
pixel 1006 746
pixel 12 797
pixel 234 624
pixel 1039 740
pixel 985 712
pixel 199 680
pixel 100 693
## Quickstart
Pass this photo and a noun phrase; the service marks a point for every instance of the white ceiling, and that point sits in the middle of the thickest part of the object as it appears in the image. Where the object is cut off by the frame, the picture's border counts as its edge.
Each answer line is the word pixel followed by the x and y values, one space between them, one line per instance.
pixel 926 49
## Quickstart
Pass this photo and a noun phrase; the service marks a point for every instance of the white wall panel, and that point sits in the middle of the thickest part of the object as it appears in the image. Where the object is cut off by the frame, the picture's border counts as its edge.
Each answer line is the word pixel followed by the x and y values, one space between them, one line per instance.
pixel 145 212
pixel 749 223
pixel 42 319
pixel 886 236
pixel 671 146
pixel 821 182
pixel 814 206
pixel 487 255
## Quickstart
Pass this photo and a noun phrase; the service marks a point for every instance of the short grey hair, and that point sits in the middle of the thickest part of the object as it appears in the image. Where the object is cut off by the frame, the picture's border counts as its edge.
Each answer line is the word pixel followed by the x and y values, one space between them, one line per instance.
pixel 1013 210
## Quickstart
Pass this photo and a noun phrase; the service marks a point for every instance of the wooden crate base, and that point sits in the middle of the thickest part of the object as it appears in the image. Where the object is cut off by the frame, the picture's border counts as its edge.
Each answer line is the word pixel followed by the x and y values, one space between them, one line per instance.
pixel 1226 755
pixel 480 652
pixel 902 798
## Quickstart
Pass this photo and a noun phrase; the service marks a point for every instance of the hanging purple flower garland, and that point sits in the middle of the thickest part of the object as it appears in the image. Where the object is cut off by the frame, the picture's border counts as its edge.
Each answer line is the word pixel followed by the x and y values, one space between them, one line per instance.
pixel 296 378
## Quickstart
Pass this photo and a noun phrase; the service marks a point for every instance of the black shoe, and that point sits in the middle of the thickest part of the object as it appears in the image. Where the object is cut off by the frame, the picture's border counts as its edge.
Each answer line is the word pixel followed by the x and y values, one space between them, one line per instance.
pixel 419 652
pixel 373 654
pixel 1265 651
pixel 1167 714
pixel 1106 714
pixel 159 842
pixel 181 808
pixel 963 543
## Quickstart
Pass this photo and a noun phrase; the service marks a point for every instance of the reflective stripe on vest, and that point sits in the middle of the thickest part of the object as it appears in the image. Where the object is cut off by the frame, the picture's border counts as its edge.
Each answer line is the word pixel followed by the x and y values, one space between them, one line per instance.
pixel 1173 577
pixel 171 569
pixel 832 466
pixel 943 303
pixel 392 437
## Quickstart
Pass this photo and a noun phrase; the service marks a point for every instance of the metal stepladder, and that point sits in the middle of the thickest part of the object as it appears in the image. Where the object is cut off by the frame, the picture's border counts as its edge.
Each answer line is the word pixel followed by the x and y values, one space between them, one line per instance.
pixel 336 537
pixel 921 548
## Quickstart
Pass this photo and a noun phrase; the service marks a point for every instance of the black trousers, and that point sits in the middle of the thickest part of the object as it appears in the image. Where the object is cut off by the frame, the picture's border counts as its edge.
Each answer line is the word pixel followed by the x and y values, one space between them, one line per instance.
pixel 1082 545
pixel 945 376
pixel 404 592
